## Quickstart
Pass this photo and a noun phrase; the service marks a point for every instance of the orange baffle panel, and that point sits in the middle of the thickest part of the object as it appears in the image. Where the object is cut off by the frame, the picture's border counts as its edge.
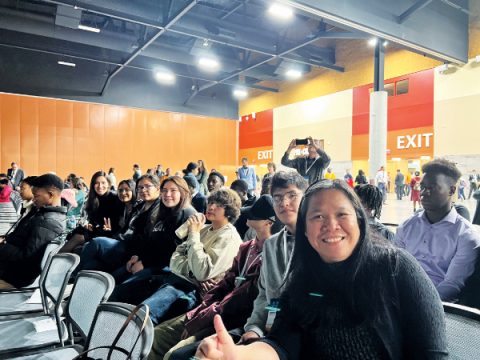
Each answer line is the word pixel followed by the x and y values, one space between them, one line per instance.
pixel 66 136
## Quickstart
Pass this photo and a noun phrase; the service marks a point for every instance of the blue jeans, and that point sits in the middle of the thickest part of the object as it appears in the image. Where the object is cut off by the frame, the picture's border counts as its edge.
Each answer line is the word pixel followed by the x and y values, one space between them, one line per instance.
pixel 161 301
pixel 104 254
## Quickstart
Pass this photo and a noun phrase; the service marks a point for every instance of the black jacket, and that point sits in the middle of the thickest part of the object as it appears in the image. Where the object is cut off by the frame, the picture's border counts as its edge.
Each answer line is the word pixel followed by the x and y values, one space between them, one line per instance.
pixel 21 253
pixel 158 247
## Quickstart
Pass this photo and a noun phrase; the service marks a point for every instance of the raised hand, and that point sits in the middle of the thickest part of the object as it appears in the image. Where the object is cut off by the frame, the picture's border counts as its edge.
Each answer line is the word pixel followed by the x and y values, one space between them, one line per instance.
pixel 107 225
pixel 219 346
pixel 196 222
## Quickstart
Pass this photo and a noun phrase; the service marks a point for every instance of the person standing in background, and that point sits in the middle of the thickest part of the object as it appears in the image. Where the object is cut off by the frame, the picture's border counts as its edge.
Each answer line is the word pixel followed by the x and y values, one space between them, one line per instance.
pixel 399 182
pixel 112 178
pixel 159 171
pixel 311 167
pixel 202 177
pixel 15 175
pixel 137 172
pixel 415 190
pixel 361 179
pixel 330 175
pixel 381 180
pixel 407 184
pixel 473 179
pixel 247 173
pixel 348 178
pixel 267 178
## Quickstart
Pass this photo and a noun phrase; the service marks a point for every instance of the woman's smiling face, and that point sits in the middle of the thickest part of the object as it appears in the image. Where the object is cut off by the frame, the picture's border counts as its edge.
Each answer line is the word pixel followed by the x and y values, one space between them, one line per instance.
pixel 331 225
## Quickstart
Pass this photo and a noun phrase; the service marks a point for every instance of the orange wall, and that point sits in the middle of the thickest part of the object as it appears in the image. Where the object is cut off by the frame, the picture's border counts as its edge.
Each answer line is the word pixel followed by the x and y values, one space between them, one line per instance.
pixel 64 136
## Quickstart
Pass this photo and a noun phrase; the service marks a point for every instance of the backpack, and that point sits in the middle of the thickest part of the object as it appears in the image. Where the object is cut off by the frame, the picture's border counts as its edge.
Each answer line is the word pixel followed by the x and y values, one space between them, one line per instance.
pixel 416 186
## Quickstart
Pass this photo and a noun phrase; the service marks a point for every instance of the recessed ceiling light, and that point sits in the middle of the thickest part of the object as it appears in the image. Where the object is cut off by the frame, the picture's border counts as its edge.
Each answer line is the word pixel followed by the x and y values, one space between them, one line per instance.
pixel 88 28
pixel 385 43
pixel 280 11
pixel 240 93
pixel 293 74
pixel 372 41
pixel 164 77
pixel 66 63
pixel 208 63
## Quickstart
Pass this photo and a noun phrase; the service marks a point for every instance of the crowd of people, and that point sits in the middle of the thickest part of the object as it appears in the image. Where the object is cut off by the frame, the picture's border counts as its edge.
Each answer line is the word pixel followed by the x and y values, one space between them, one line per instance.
pixel 301 269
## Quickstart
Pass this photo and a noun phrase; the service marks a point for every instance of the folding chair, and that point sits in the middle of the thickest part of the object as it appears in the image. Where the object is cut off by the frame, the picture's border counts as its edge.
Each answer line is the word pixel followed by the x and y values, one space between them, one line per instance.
pixel 15 302
pixel 20 334
pixel 52 247
pixel 107 323
pixel 463 331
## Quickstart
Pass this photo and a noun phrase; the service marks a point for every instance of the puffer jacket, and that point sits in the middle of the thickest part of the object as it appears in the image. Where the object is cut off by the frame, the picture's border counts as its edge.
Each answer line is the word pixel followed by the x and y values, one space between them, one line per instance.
pixel 22 251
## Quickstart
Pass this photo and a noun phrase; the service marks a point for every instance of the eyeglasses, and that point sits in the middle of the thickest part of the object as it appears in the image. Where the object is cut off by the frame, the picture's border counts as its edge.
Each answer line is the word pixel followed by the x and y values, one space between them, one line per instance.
pixel 145 187
pixel 290 196
pixel 125 190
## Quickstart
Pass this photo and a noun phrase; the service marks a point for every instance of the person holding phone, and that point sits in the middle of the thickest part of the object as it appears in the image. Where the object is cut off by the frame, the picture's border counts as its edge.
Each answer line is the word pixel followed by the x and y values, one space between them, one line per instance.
pixel 311 167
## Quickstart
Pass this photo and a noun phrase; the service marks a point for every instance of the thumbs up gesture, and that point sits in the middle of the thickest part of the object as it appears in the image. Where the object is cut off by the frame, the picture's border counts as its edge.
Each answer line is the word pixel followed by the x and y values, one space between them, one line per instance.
pixel 219 346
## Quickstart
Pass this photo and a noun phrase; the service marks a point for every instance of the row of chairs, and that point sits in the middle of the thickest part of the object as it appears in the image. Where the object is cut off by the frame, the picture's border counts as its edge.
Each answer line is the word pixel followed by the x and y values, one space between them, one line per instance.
pixel 84 321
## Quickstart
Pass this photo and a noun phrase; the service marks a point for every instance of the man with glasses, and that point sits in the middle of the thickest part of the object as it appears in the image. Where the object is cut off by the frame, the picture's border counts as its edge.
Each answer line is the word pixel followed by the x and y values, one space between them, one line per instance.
pixel 287 190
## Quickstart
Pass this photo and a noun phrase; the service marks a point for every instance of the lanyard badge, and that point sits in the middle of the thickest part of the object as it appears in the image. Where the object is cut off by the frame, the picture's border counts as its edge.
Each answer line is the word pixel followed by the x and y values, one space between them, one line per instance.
pixel 273 309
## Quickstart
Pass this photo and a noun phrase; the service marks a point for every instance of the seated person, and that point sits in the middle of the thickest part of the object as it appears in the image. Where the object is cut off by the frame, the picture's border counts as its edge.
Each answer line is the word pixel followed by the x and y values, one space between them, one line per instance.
pixel 150 253
pixel 8 214
pixel 21 250
pixel 102 206
pixel 241 188
pixel 202 260
pixel 346 296
pixel 215 181
pixel 445 244
pixel 109 253
pixel 199 201
pixel 232 297
pixel 372 201
pixel 27 195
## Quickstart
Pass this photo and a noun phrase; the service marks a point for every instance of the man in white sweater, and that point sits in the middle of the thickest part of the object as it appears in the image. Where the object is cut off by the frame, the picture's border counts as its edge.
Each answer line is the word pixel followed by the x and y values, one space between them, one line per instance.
pixel 201 261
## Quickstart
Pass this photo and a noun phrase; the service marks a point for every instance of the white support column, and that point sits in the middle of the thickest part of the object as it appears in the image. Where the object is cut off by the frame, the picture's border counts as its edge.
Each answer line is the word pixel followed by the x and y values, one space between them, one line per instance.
pixel 377 152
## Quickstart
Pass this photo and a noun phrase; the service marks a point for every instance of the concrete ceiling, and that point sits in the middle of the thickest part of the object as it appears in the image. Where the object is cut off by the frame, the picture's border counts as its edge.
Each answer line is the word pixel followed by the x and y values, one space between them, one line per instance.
pixel 138 37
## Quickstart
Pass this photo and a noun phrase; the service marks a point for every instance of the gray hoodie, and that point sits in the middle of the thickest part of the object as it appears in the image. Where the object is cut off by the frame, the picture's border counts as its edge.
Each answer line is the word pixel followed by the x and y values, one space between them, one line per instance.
pixel 277 252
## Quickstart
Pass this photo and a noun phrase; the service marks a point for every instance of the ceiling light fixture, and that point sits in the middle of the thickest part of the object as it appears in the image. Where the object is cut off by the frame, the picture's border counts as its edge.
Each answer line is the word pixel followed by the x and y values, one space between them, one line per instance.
pixel 293 74
pixel 66 63
pixel 280 11
pixel 240 93
pixel 88 28
pixel 165 77
pixel 208 63
pixel 442 68
pixel 372 41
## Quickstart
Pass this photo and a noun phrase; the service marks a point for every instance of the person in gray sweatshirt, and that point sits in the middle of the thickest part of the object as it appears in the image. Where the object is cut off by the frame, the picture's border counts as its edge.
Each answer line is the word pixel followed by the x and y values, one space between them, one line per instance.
pixel 287 190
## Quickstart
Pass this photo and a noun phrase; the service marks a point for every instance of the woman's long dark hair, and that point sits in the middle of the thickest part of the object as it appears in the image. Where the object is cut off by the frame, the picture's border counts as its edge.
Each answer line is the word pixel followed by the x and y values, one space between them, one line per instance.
pixel 357 284
pixel 92 200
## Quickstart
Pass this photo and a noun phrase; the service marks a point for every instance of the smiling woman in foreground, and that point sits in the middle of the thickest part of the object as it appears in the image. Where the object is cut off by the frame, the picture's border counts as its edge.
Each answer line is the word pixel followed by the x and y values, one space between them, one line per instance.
pixel 349 295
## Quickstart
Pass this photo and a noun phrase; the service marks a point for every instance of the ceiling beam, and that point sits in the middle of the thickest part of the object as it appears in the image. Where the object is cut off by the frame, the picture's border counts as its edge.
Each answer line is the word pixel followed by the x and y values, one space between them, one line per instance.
pixel 420 4
pixel 158 33
pixel 185 32
pixel 111 63
pixel 280 55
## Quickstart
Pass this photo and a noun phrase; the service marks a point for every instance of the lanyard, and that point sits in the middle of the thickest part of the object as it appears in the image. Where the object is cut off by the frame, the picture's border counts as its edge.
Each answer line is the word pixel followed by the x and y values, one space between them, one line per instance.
pixel 245 268
pixel 313 163
pixel 287 259
pixel 246 171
